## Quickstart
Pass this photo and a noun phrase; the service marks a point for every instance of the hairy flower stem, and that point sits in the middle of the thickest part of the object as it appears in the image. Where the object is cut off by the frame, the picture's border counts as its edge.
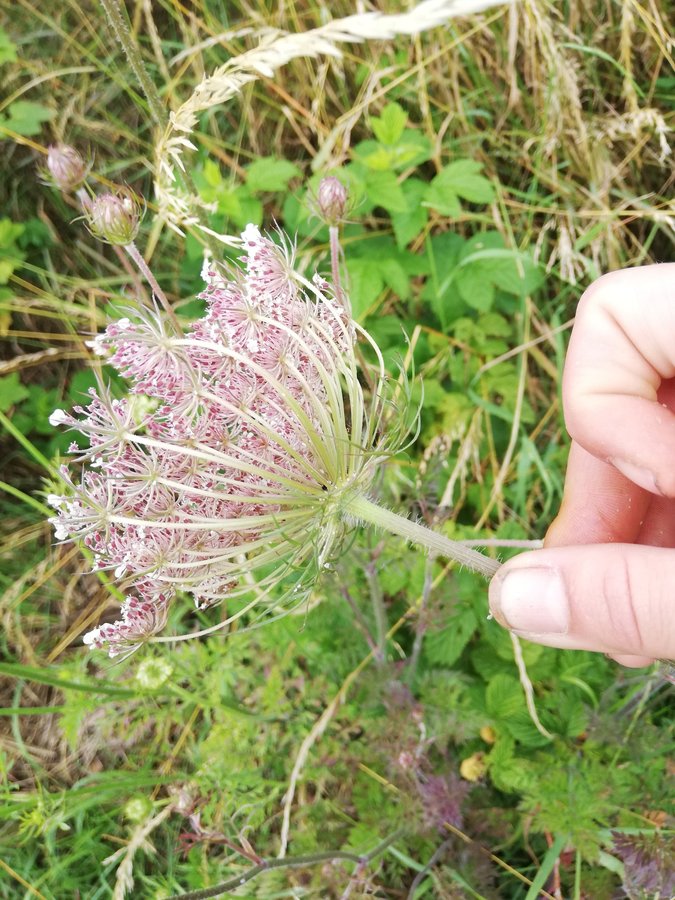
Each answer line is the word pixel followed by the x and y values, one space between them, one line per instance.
pixel 113 11
pixel 366 511
pixel 116 16
pixel 144 269
pixel 335 261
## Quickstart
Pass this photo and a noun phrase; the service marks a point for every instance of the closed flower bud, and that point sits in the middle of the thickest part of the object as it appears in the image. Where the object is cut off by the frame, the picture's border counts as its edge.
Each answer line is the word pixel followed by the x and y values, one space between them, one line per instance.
pixel 66 169
pixel 115 218
pixel 332 200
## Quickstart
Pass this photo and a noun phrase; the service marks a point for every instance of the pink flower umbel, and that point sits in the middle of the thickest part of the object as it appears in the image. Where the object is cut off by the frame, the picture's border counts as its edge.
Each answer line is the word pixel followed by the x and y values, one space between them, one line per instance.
pixel 245 449
pixel 228 471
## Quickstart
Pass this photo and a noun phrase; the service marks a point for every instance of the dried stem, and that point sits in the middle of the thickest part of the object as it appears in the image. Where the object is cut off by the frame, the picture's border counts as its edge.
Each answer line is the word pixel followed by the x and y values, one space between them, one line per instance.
pixel 527 688
pixel 296 862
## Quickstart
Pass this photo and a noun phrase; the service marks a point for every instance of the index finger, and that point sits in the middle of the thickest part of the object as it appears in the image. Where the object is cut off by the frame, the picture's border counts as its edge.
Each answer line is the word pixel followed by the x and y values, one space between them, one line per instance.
pixel 622 348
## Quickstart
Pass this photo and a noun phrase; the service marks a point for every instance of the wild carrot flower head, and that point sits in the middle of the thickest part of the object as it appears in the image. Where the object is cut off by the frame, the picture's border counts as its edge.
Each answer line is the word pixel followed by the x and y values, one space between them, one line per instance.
pixel 229 482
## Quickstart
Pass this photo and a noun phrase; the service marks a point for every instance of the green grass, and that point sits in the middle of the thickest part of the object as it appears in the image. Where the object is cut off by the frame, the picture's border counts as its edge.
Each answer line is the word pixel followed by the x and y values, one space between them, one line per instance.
pixel 104 762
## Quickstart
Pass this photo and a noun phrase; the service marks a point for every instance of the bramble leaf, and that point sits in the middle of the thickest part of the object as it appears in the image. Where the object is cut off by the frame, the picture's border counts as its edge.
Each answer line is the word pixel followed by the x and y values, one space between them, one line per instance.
pixel 270 174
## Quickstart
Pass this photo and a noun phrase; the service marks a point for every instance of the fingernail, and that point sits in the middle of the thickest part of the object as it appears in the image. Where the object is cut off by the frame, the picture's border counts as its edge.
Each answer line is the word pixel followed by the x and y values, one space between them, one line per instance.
pixel 637 474
pixel 532 601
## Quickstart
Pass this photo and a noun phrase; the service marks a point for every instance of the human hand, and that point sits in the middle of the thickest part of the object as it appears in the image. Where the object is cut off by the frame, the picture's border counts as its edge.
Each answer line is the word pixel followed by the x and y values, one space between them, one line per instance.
pixel 605 579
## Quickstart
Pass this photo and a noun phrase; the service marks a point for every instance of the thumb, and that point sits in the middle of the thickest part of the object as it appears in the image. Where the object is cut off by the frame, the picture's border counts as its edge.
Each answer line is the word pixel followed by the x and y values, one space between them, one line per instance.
pixel 613 598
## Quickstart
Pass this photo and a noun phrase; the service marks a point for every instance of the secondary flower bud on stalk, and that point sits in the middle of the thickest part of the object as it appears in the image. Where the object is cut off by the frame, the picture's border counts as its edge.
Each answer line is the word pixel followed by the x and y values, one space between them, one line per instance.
pixel 331 200
pixel 115 218
pixel 66 169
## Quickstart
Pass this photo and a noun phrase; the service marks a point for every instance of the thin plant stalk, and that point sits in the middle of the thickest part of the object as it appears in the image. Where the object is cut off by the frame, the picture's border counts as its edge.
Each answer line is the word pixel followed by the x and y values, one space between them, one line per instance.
pixel 116 16
pixel 144 269
pixel 379 611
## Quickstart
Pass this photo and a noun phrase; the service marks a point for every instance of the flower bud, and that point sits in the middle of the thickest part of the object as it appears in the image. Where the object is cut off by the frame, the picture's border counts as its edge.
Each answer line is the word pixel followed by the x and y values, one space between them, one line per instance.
pixel 115 218
pixel 332 200
pixel 65 168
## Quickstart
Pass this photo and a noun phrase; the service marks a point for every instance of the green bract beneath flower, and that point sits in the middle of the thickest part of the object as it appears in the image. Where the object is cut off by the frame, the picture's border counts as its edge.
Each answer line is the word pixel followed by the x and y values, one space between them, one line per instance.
pixel 236 484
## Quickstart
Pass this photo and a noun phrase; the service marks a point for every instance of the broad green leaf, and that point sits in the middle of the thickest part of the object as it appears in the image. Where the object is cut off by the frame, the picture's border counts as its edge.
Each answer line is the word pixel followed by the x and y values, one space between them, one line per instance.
pixel 409 224
pixel 382 189
pixel 485 265
pixel 270 174
pixel 504 697
pixel 463 176
pixel 26 118
pixel 459 179
pixel 239 206
pixel 11 391
pixel 395 277
pixel 411 149
pixel 444 647
pixel 389 125
pixel 10 255
pixel 212 174
pixel 7 48
pixel 476 287
pixel 9 232
pixel 365 285
pixel 443 252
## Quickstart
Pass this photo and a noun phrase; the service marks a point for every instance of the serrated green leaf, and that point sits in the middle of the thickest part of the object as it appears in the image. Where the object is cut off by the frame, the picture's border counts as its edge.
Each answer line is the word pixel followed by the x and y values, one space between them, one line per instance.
pixel 463 177
pixel 270 174
pixel 443 252
pixel 443 648
pixel 25 117
pixel 408 225
pixel 521 727
pixel 382 189
pixel 412 149
pixel 504 697
pixel 389 125
pixel 458 179
pixel 11 391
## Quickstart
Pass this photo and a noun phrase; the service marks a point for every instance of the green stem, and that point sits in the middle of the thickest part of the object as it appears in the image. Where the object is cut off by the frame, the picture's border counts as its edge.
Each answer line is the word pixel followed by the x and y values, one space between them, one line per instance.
pixel 379 611
pixel 335 262
pixel 437 544
pixel 145 270
pixel 116 17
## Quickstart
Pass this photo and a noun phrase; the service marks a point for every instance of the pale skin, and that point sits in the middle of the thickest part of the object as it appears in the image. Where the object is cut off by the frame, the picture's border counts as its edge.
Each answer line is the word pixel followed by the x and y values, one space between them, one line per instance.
pixel 605 580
